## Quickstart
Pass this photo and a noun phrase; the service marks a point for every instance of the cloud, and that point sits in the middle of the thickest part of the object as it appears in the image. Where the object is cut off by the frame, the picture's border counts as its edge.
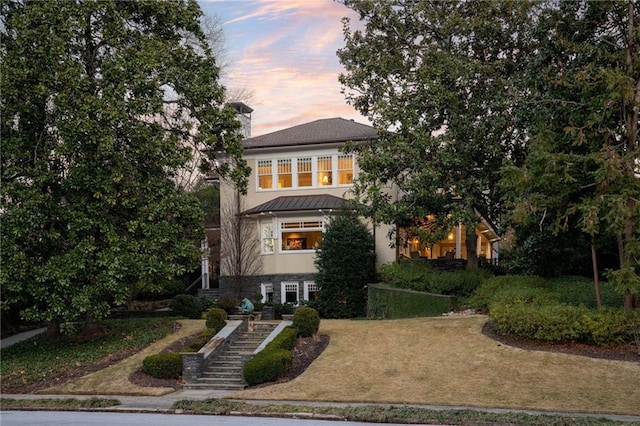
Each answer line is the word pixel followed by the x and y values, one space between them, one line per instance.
pixel 284 52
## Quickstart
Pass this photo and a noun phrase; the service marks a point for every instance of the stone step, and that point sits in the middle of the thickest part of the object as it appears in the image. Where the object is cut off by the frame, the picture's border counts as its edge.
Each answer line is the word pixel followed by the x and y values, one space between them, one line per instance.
pixel 202 386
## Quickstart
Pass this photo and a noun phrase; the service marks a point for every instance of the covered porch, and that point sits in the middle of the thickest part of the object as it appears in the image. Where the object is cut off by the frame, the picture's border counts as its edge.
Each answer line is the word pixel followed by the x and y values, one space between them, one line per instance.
pixel 453 247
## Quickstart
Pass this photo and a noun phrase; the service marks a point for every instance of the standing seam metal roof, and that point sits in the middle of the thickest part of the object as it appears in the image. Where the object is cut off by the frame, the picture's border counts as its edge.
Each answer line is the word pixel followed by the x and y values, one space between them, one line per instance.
pixel 299 203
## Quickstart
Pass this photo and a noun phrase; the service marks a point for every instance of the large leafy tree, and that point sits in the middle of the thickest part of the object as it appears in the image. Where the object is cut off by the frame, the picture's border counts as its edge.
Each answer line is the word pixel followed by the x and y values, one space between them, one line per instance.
pixel 436 79
pixel 102 102
pixel 582 171
pixel 346 263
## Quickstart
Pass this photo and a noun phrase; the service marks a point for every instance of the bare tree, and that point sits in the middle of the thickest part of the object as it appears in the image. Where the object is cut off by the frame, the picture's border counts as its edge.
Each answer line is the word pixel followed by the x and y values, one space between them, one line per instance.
pixel 240 250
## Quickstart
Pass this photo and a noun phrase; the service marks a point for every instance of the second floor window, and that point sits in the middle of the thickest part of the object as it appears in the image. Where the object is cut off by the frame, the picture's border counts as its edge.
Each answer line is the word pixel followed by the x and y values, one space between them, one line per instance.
pixel 285 174
pixel 305 172
pixel 265 174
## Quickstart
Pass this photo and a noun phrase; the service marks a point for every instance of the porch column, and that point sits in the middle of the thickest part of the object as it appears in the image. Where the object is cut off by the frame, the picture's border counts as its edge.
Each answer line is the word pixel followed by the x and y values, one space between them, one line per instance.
pixel 204 245
pixel 459 241
pixel 479 245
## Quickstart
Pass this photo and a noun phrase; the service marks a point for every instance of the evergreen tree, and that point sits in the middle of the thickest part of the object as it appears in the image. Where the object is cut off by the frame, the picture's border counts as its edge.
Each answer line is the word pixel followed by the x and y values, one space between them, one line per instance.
pixel 346 265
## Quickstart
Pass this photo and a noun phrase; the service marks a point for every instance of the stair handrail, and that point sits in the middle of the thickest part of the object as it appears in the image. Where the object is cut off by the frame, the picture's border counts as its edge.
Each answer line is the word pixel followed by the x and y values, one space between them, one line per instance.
pixel 198 280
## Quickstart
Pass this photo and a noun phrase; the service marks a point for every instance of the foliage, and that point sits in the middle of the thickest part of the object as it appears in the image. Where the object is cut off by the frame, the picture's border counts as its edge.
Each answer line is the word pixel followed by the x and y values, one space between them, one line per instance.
pixel 419 276
pixel 202 339
pixel 187 306
pixel 58 403
pixel 208 302
pixel 285 340
pixel 166 289
pixel 40 360
pixel 166 365
pixel 537 251
pixel 307 321
pixel 346 264
pixel 560 323
pixel 103 103
pixel 484 295
pixel 229 304
pixel 387 303
pixel 579 291
pixel 393 413
pixel 216 319
pixel 281 308
pixel 582 102
pixel 431 77
pixel 267 366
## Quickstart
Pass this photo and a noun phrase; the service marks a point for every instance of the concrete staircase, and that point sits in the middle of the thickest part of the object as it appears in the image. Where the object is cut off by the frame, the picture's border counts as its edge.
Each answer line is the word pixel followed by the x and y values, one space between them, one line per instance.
pixel 225 371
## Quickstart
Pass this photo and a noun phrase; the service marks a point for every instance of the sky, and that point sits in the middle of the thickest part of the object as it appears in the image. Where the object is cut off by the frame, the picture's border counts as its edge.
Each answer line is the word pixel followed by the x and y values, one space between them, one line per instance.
pixel 283 54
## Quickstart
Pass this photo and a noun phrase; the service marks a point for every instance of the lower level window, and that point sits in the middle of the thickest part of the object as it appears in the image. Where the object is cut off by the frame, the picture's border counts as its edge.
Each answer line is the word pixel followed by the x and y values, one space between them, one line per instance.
pixel 289 293
pixel 266 290
pixel 310 291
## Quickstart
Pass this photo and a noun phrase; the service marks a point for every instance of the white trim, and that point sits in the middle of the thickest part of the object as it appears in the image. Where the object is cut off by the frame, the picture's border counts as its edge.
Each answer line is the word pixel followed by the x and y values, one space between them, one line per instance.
pixel 266 288
pixel 283 291
pixel 306 285
pixel 294 172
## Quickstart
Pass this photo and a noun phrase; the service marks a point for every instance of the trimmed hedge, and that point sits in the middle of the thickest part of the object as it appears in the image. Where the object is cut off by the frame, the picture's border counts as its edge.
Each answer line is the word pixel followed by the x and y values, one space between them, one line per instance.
pixel 186 305
pixel 389 302
pixel 273 361
pixel 285 340
pixel 307 321
pixel 216 319
pixel 163 366
pixel 267 366
pixel 561 323
pixel 419 276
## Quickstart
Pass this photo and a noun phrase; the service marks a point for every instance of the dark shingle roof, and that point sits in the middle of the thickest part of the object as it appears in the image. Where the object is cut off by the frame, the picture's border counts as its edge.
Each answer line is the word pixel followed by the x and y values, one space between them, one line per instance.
pixel 299 203
pixel 320 131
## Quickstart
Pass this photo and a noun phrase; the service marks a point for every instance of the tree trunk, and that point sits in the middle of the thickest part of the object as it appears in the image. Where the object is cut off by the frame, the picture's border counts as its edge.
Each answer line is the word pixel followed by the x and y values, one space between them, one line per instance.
pixel 53 330
pixel 471 245
pixel 596 280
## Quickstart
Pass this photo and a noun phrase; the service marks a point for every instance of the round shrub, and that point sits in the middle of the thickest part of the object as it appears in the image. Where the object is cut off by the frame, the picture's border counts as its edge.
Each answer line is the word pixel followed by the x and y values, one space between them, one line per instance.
pixel 229 304
pixel 267 366
pixel 216 319
pixel 187 305
pixel 163 366
pixel 307 321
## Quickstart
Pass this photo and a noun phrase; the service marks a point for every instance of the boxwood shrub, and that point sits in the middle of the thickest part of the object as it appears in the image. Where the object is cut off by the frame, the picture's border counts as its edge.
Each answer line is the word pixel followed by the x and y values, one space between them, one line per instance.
pixel 166 365
pixel 561 323
pixel 273 361
pixel 216 319
pixel 307 321
pixel 187 305
pixel 267 366
pixel 285 340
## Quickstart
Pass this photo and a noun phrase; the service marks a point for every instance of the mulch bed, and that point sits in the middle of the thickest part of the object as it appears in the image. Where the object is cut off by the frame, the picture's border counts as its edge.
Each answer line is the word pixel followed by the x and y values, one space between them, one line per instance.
pixel 626 352
pixel 305 351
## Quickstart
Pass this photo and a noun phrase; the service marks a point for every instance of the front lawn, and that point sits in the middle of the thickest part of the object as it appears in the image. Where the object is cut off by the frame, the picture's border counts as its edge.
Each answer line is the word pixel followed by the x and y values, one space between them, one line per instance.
pixel 39 362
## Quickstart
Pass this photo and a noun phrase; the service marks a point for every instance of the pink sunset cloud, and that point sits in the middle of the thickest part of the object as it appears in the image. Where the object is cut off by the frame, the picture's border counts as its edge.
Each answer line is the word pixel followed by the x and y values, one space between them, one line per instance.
pixel 284 54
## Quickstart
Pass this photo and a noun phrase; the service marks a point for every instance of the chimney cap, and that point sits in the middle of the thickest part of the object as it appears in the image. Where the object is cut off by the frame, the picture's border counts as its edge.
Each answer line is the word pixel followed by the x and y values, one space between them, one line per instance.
pixel 241 107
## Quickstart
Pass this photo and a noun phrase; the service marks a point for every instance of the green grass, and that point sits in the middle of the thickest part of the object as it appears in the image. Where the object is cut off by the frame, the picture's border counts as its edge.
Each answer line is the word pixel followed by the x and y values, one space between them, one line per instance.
pixel 389 414
pixel 56 404
pixel 39 360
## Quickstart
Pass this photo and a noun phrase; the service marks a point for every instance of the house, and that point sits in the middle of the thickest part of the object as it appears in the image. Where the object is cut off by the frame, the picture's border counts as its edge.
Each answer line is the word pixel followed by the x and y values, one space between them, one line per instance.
pixel 299 179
